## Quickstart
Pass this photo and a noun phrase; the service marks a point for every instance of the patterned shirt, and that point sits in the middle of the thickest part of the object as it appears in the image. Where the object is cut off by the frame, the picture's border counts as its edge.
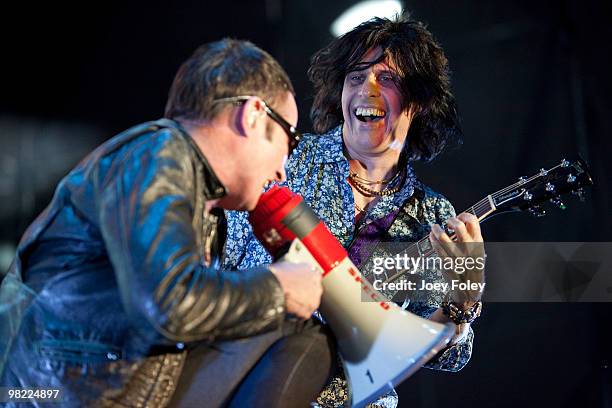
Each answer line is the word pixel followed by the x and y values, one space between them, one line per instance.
pixel 318 170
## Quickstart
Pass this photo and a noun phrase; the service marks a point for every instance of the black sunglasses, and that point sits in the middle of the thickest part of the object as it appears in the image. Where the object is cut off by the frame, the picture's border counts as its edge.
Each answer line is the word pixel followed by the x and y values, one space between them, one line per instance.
pixel 293 134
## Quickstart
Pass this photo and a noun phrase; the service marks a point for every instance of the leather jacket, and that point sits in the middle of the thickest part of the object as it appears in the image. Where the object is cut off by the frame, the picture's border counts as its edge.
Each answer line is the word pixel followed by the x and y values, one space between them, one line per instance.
pixel 122 268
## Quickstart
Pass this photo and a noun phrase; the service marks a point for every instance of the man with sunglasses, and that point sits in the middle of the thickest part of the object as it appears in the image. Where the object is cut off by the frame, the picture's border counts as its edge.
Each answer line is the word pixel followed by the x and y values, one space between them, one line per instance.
pixel 126 304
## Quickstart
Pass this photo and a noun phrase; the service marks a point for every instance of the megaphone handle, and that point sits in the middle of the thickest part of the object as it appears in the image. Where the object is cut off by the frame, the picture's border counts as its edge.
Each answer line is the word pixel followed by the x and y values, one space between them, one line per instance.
pixel 298 253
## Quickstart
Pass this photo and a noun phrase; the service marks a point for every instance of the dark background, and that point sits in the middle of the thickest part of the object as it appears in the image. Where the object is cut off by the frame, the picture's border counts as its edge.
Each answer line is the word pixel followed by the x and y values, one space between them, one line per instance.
pixel 533 86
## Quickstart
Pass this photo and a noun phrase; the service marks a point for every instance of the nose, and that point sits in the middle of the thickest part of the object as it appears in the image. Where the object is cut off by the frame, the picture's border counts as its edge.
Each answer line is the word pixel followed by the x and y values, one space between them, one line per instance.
pixel 369 87
pixel 281 175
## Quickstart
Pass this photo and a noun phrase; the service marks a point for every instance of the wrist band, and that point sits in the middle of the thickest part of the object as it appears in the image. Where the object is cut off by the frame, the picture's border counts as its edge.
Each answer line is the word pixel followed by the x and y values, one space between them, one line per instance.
pixel 459 316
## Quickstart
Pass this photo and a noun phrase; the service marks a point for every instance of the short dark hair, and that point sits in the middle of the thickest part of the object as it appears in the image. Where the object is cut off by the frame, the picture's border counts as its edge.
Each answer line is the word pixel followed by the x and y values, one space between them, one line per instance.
pixel 424 81
pixel 222 69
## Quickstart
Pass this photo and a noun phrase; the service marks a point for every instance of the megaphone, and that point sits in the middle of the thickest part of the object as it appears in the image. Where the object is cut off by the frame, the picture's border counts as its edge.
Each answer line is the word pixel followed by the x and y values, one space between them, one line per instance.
pixel 380 344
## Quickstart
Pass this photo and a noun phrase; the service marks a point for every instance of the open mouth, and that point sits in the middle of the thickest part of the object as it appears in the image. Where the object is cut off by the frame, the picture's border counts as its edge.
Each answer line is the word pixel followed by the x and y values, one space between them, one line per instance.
pixel 369 114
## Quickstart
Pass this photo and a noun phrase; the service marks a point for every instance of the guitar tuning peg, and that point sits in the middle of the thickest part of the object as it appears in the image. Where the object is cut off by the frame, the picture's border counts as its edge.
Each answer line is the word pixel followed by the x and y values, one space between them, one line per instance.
pixel 579 193
pixel 571 178
pixel 522 179
pixel 557 201
pixel 565 163
pixel 537 211
pixel 550 187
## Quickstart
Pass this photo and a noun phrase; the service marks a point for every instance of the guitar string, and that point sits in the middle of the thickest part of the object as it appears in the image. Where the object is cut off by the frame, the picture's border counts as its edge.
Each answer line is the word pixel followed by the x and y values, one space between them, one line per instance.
pixel 482 206
pixel 520 183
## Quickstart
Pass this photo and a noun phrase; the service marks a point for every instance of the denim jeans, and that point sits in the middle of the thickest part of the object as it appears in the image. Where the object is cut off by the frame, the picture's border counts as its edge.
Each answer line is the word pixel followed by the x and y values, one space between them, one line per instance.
pixel 284 368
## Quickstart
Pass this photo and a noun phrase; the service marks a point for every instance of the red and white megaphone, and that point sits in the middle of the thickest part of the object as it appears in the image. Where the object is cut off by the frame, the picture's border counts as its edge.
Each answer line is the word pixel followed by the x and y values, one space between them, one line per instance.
pixel 380 344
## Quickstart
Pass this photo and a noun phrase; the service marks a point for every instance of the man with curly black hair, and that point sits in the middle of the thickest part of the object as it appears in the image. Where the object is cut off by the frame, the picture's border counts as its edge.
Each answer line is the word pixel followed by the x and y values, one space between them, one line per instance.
pixel 382 99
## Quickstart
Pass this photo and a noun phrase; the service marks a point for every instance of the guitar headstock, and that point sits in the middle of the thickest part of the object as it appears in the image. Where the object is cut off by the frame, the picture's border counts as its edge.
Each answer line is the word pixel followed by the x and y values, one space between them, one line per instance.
pixel 529 193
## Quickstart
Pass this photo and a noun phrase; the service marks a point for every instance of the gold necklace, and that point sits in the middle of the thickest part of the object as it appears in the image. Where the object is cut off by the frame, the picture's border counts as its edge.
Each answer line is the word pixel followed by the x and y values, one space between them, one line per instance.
pixel 363 180
pixel 368 192
pixel 358 208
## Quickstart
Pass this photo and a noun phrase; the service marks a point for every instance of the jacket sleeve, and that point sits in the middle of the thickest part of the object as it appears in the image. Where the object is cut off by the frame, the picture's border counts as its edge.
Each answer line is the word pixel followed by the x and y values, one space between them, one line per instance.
pixel 452 358
pixel 146 210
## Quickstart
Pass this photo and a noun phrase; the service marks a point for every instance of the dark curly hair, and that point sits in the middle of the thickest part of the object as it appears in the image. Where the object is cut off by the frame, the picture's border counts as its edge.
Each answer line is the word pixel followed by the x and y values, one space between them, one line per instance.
pixel 424 81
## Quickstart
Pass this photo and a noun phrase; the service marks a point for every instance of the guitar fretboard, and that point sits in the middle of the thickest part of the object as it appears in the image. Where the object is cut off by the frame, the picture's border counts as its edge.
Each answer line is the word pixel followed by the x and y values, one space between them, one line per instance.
pixel 507 199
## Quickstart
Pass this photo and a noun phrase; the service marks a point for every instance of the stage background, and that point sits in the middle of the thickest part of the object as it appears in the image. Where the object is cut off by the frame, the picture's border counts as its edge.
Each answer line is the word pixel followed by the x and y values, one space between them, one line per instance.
pixel 533 86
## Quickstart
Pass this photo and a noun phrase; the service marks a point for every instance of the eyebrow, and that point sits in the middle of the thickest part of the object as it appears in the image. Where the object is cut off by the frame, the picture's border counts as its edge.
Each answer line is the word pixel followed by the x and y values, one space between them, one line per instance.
pixel 377 71
pixel 362 66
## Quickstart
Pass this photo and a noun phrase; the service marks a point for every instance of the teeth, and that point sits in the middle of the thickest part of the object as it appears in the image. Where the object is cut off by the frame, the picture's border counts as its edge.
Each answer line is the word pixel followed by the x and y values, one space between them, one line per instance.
pixel 369 112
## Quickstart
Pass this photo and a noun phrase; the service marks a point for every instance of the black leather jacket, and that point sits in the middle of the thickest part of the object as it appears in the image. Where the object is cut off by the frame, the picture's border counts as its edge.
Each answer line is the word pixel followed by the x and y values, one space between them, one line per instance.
pixel 120 282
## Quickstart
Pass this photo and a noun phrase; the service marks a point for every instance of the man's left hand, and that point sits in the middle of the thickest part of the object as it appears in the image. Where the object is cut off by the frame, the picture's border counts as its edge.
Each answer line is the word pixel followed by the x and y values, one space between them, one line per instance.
pixel 467 243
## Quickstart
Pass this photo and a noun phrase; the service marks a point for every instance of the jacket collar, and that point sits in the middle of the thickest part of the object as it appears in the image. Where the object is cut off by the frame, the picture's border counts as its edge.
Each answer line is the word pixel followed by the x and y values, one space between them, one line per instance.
pixel 329 147
pixel 212 188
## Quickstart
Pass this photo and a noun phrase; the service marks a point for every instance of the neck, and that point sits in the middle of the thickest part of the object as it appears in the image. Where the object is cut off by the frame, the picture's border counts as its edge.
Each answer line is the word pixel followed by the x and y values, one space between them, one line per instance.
pixel 215 143
pixel 373 167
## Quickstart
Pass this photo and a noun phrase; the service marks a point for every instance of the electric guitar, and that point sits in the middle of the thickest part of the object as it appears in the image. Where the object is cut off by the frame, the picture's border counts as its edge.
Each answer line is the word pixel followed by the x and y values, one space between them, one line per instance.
pixel 527 194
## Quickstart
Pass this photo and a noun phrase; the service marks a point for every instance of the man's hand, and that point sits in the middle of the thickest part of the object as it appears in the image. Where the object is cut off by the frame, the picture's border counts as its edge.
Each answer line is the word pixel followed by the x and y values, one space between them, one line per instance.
pixel 468 244
pixel 302 285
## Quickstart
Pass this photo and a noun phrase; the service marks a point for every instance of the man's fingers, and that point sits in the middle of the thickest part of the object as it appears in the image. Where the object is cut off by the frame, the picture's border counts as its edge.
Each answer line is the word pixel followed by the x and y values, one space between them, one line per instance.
pixel 472 226
pixel 436 242
pixel 440 234
pixel 445 246
pixel 303 310
pixel 458 226
pixel 302 285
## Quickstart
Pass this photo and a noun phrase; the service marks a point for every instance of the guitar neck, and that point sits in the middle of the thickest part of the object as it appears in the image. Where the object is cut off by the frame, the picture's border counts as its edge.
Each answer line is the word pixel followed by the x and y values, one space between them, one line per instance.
pixel 481 210
pixel 525 195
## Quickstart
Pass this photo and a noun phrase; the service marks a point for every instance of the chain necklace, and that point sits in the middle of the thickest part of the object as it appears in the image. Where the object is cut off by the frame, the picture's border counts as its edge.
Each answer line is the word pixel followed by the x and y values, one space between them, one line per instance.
pixel 366 191
pixel 358 208
pixel 362 180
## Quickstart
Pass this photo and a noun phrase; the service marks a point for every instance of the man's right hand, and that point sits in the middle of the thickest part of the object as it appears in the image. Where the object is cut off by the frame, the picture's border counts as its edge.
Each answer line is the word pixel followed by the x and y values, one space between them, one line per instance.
pixel 302 285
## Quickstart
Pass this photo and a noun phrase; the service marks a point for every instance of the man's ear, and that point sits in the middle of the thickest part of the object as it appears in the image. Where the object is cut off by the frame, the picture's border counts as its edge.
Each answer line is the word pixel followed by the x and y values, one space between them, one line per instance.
pixel 252 117
pixel 249 115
